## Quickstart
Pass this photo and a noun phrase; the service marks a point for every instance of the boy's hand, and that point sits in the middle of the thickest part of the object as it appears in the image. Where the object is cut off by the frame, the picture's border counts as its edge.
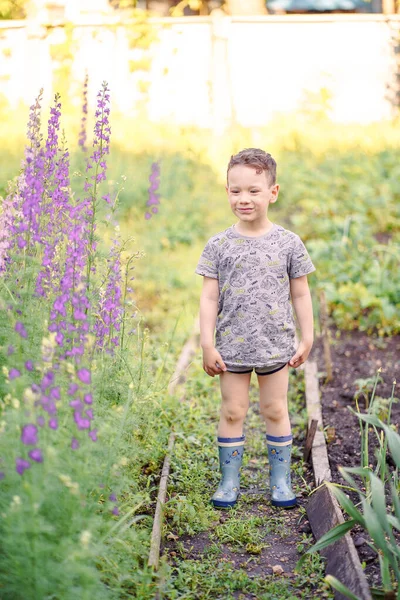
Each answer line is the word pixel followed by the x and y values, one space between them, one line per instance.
pixel 212 362
pixel 301 355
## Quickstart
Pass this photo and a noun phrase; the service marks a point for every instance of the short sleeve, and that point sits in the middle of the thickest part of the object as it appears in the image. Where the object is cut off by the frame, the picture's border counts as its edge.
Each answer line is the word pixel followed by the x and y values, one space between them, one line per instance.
pixel 208 262
pixel 300 262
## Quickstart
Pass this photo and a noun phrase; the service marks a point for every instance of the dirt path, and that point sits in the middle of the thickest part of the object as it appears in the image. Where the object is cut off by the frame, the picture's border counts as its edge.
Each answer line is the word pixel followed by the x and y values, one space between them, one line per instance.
pixel 250 552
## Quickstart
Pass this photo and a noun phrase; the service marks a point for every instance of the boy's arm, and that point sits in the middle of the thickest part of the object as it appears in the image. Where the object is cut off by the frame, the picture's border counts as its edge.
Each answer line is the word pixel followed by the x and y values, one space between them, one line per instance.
pixel 208 318
pixel 301 299
pixel 208 311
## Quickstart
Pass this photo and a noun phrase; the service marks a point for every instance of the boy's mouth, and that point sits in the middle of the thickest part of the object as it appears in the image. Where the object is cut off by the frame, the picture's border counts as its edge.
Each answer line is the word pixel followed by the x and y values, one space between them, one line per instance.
pixel 245 210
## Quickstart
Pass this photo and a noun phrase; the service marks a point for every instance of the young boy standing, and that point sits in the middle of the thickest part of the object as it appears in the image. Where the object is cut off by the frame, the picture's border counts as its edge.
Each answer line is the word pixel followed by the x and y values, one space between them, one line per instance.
pixel 252 271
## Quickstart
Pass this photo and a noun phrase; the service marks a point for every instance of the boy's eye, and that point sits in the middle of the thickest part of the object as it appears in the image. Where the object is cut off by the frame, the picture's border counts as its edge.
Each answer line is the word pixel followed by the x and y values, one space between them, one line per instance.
pixel 254 191
pixel 234 191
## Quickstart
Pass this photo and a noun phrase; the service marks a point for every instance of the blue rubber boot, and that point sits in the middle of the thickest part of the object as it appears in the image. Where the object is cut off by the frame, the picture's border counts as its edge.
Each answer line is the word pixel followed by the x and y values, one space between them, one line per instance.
pixel 279 453
pixel 230 461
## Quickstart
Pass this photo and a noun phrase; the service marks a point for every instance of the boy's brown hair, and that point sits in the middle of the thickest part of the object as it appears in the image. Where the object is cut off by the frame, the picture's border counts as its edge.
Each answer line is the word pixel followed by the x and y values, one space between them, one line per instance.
pixel 257 158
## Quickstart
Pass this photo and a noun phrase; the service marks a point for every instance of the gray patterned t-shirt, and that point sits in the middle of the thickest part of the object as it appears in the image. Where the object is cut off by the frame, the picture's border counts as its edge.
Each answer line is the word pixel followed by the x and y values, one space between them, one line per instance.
pixel 255 323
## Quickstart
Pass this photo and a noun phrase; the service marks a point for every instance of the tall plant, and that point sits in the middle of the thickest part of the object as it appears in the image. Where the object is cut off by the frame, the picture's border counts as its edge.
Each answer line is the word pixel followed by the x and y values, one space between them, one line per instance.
pixel 378 494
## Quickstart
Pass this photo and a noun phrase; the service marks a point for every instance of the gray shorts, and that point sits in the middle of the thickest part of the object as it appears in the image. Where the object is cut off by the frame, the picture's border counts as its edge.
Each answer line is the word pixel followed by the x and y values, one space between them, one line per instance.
pixel 259 370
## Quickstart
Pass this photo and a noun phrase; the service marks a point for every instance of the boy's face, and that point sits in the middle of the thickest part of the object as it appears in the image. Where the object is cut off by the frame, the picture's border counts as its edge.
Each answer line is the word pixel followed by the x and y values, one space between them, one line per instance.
pixel 250 193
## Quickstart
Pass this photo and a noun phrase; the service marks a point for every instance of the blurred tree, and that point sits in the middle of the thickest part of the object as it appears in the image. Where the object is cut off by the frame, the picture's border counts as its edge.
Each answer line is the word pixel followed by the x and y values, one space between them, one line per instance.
pixel 12 9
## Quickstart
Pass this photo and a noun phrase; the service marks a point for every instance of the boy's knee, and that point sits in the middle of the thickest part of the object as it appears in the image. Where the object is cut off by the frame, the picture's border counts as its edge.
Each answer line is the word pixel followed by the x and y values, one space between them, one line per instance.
pixel 235 413
pixel 275 411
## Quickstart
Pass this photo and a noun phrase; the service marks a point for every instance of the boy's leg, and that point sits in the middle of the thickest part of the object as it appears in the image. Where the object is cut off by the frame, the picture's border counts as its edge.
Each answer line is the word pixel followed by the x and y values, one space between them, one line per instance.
pixel 234 403
pixel 274 408
pixel 234 406
pixel 273 401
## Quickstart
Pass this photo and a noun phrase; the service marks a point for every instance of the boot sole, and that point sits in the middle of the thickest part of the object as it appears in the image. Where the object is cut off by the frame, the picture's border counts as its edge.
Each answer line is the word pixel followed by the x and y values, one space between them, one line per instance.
pixel 222 504
pixel 284 503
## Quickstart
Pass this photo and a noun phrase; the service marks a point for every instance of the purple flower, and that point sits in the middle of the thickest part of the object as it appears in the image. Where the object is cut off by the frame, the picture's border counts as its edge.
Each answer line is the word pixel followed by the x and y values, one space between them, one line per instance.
pixel 73 388
pixel 110 306
pixel 29 435
pixel 84 376
pixel 47 380
pixel 55 393
pixel 93 435
pixel 82 133
pixel 154 180
pixel 19 328
pixel 36 455
pixel 2 475
pixel 76 404
pixel 21 465
pixel 80 421
pixel 101 147
pixel 40 421
pixel 115 511
pixel 53 423
pixel 6 227
pixel 88 398
pixel 10 350
pixel 74 444
pixel 112 497
pixel 29 365
pixel 14 373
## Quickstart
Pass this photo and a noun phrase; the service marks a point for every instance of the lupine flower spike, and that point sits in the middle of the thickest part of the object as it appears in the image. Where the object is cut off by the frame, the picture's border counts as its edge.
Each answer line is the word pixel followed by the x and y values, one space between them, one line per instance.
pixel 154 180
pixel 83 133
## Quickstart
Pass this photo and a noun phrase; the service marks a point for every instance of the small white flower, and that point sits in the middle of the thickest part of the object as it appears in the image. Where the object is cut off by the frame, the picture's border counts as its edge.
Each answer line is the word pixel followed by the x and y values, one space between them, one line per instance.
pixel 15 403
pixel 85 538
pixel 16 501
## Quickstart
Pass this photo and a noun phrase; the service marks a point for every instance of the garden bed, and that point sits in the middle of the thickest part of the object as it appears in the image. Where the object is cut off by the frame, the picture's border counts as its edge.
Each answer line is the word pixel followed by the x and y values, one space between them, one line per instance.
pixel 355 355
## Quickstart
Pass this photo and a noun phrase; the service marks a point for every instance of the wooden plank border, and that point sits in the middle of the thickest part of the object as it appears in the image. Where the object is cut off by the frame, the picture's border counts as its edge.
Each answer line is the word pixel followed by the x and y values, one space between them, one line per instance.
pixel 323 510
pixel 178 378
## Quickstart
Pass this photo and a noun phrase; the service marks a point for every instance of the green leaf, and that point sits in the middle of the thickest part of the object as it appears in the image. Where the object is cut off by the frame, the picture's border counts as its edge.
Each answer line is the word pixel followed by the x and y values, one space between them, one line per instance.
pixel 394 522
pixel 379 501
pixel 377 533
pixel 340 587
pixel 396 501
pixel 385 573
pixel 346 504
pixel 331 536
pixel 345 473
pixel 393 439
pixel 371 419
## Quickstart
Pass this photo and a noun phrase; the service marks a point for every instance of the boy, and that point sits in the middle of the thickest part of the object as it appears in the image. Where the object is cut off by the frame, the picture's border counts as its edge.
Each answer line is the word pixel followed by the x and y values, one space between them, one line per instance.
pixel 251 270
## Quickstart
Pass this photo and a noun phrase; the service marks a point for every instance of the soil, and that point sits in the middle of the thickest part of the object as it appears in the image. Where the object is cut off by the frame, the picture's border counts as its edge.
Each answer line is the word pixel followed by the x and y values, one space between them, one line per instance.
pixel 355 355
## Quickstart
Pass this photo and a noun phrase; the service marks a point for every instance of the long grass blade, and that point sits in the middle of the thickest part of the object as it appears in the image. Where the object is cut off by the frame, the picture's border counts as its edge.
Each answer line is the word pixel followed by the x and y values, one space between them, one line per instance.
pixel 379 502
pixel 385 573
pixel 395 499
pixel 331 536
pixel 393 439
pixel 394 522
pixel 340 587
pixel 347 504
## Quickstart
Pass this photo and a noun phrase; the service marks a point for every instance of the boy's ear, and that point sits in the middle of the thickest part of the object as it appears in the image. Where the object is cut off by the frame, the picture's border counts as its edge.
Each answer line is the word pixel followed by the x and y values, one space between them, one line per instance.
pixel 275 193
pixel 227 189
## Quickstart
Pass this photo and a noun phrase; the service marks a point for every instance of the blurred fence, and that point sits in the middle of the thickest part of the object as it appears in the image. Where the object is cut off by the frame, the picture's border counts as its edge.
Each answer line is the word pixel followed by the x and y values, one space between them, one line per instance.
pixel 213 71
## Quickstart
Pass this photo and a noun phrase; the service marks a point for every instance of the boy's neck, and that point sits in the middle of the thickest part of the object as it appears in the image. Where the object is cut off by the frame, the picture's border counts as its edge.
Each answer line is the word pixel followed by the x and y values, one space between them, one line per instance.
pixel 253 228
